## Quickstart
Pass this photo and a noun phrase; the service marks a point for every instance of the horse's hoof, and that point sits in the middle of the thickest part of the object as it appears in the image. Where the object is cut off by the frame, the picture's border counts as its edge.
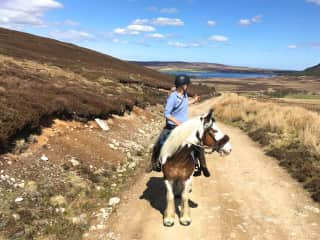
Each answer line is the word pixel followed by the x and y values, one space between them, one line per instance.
pixel 168 222
pixel 185 221
pixel 206 172
pixel 197 173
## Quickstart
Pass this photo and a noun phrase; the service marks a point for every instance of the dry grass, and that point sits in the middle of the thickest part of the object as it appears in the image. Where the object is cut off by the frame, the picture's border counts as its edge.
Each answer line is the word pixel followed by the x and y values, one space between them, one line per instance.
pixel 294 121
pixel 290 134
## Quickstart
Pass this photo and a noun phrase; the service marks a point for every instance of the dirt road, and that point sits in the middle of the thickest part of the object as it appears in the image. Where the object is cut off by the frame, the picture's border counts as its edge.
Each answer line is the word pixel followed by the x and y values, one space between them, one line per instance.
pixel 248 196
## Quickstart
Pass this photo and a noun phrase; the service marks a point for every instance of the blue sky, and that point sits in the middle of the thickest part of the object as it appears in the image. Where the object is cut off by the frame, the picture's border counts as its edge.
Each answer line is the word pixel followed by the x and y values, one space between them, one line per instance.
pixel 282 34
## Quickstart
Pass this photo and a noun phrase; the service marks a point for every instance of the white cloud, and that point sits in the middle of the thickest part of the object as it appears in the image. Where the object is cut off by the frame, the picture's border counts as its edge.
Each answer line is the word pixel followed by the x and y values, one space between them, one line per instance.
pixel 117 40
pixel 212 23
pixel 195 44
pixel 20 13
pixel 219 38
pixel 305 45
pixel 140 28
pixel 134 29
pixel 178 44
pixel 256 19
pixel 314 1
pixel 125 31
pixel 244 22
pixel 169 10
pixel 163 21
pixel 140 21
pixel 160 21
pixel 184 45
pixel 247 22
pixel 156 36
pixel 71 35
pixel 292 46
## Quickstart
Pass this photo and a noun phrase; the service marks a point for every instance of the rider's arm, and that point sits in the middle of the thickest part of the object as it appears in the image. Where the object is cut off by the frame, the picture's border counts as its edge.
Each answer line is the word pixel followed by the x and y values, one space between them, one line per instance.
pixel 171 100
pixel 193 100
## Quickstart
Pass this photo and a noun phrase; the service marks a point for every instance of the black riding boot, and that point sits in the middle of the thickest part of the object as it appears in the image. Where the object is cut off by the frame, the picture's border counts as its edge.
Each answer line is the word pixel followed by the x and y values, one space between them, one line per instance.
pixel 155 163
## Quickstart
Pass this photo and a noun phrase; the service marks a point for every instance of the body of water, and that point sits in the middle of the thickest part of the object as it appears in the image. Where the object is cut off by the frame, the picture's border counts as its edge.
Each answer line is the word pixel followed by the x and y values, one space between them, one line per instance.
pixel 204 75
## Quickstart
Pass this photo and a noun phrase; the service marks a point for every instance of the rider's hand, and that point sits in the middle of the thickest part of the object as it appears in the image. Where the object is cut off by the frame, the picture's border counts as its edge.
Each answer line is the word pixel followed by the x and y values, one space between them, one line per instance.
pixel 178 122
pixel 196 98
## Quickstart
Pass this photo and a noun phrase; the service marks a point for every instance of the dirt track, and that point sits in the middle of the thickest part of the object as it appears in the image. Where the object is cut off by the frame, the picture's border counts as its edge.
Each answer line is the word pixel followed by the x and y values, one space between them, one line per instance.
pixel 248 196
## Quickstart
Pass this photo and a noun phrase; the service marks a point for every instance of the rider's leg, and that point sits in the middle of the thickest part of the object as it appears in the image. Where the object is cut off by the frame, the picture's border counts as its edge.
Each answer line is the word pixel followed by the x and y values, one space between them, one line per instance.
pixel 197 170
pixel 203 163
pixel 155 163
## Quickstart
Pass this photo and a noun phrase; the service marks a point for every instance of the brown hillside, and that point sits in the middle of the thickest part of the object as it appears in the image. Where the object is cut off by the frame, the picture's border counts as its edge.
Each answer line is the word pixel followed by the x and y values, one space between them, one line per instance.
pixel 41 78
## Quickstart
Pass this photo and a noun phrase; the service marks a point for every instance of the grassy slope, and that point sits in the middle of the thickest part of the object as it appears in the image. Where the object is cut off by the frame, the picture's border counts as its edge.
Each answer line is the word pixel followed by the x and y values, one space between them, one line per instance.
pixel 41 78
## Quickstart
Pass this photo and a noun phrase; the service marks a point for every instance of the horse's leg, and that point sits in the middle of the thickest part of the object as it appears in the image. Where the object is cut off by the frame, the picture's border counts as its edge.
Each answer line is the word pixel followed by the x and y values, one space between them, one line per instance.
pixel 169 213
pixel 185 218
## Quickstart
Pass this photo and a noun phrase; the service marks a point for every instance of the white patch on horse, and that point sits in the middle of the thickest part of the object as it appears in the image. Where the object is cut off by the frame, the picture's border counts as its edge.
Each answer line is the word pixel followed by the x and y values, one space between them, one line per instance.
pixel 218 135
pixel 184 134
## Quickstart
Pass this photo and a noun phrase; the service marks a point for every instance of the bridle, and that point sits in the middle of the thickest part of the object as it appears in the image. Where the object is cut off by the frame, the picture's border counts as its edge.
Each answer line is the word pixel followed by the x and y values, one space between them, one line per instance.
pixel 216 147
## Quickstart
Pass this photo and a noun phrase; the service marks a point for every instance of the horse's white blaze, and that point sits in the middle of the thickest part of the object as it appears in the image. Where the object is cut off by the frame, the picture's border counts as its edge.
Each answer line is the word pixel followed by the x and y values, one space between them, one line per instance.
pixel 219 135
pixel 184 134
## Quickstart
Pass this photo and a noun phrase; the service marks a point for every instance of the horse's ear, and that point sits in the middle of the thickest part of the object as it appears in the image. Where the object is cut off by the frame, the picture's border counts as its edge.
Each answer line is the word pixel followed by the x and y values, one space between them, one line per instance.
pixel 208 117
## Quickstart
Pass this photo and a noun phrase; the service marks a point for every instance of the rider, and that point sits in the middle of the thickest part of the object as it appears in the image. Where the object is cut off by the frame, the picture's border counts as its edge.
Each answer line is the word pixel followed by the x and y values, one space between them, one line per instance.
pixel 175 113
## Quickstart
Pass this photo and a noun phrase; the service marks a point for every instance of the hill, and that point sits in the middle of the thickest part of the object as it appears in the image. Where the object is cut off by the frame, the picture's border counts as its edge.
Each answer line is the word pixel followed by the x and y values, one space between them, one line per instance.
pixel 201 66
pixel 41 78
pixel 315 70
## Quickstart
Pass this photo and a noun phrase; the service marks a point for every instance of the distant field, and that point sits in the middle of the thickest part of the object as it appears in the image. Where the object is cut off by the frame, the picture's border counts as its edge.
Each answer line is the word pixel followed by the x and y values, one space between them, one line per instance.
pixel 301 83
pixel 302 91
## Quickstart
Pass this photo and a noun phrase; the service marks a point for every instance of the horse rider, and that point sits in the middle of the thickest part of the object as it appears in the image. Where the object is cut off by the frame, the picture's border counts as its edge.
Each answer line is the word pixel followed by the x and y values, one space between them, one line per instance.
pixel 175 113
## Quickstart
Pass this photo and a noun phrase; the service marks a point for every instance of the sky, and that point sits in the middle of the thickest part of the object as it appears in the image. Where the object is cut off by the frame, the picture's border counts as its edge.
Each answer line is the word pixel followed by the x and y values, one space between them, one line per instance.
pixel 278 34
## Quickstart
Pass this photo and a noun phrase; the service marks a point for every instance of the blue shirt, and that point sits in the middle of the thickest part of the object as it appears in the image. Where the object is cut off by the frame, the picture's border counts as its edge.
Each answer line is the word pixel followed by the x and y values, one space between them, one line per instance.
pixel 177 107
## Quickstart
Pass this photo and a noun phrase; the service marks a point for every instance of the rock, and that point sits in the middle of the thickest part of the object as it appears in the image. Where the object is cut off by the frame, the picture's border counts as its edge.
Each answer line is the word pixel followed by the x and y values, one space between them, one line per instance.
pixel 100 226
pixel 16 216
pixel 60 210
pixel 112 146
pixel 114 201
pixel 102 124
pixel 58 201
pixel 44 158
pixel 74 162
pixel 141 131
pixel 18 199
pixel 20 185
pixel 132 165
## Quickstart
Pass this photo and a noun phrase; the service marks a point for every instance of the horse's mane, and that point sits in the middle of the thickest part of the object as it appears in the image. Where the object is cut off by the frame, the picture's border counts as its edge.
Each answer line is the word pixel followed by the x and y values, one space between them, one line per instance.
pixel 181 136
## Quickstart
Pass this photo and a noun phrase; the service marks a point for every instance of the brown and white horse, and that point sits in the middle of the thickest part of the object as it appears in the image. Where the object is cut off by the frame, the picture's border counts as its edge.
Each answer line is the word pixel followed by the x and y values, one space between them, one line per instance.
pixel 178 168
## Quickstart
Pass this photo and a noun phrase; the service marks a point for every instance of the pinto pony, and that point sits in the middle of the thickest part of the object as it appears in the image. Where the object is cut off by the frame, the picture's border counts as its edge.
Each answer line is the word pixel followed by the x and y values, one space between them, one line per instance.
pixel 178 161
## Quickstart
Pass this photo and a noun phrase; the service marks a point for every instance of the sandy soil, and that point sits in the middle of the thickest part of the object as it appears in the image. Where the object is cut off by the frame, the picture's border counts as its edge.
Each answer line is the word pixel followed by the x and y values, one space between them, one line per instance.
pixel 248 196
